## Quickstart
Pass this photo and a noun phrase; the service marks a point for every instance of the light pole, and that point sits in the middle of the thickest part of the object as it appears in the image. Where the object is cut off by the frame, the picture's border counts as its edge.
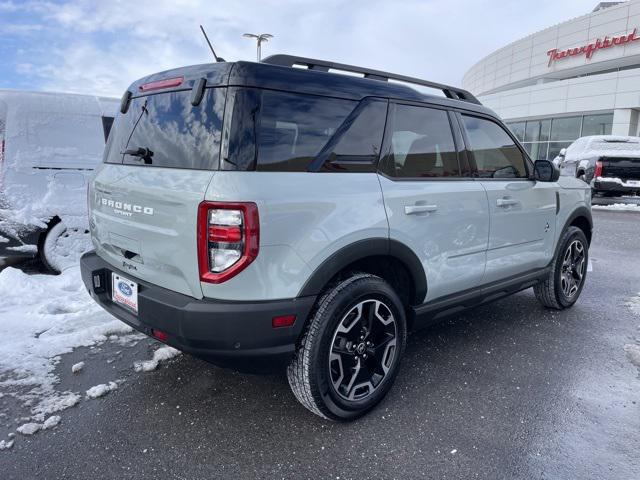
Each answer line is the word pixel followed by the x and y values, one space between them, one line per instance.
pixel 263 37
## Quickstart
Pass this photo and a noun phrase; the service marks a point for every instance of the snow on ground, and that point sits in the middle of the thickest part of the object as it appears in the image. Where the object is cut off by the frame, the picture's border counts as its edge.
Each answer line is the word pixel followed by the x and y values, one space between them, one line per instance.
pixel 101 390
pixel 623 207
pixel 634 304
pixel 160 355
pixel 41 318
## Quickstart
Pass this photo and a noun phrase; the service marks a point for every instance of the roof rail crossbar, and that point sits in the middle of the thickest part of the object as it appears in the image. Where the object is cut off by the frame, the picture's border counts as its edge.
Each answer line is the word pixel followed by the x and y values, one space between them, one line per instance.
pixel 324 66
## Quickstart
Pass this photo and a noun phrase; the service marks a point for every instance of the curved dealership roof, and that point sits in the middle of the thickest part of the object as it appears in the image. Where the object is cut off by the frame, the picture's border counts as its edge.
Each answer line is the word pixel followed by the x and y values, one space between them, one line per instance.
pixel 604 40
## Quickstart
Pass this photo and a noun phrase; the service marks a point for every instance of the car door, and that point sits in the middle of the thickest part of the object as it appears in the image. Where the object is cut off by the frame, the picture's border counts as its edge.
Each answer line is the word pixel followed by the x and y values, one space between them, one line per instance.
pixel 522 211
pixel 432 207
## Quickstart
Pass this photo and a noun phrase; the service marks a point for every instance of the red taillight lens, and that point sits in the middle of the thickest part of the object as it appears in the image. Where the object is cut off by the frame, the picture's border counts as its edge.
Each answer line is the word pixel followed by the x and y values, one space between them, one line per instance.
pixel 598 172
pixel 158 84
pixel 228 239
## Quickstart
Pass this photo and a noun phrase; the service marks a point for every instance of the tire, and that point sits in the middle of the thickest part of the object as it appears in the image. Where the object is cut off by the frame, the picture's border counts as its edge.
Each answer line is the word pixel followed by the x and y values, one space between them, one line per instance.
pixel 565 281
pixel 61 247
pixel 335 343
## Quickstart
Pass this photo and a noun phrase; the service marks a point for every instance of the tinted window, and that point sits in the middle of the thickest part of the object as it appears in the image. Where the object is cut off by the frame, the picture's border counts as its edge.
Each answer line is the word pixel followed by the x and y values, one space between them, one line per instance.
pixel 177 134
pixel 421 143
pixel 107 123
pixel 358 139
pixel 495 153
pixel 294 128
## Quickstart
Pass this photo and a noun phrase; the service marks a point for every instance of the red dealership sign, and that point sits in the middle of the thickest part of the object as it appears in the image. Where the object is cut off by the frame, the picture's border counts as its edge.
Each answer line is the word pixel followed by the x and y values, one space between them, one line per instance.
pixel 591 48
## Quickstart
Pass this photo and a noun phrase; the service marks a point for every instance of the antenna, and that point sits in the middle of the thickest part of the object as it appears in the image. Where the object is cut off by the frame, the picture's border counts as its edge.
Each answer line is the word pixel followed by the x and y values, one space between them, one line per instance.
pixel 218 59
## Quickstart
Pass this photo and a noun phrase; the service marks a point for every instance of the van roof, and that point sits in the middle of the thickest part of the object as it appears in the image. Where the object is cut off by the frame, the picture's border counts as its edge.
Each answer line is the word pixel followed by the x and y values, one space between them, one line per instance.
pixel 25 101
pixel 278 76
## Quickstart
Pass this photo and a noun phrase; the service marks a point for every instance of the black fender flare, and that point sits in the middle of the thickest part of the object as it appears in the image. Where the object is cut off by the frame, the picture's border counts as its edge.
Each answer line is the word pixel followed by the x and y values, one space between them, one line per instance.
pixel 363 249
pixel 581 211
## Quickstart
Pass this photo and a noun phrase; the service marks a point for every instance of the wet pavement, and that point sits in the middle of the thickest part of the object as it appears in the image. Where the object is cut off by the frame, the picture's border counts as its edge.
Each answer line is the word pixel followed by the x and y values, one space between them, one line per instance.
pixel 508 390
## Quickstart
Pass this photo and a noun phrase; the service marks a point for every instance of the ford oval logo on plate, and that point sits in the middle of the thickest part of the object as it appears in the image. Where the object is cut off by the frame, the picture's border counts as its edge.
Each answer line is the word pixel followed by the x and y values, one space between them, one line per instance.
pixel 125 289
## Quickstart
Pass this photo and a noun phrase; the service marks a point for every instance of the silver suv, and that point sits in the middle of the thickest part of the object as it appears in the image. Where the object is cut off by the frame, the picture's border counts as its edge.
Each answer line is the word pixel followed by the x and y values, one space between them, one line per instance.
pixel 262 216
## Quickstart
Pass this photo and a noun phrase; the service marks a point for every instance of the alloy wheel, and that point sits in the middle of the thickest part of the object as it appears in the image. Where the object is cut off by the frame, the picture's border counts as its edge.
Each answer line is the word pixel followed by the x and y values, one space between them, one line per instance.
pixel 573 269
pixel 363 349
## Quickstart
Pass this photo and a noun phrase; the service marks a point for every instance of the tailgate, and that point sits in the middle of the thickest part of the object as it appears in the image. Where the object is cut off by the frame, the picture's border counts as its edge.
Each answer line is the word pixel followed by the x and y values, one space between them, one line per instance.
pixel 144 207
pixel 622 168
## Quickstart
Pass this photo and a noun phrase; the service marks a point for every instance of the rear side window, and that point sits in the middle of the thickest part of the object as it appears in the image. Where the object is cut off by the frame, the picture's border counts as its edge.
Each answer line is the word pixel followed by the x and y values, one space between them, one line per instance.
pixel 495 153
pixel 174 133
pixel 421 144
pixel 293 128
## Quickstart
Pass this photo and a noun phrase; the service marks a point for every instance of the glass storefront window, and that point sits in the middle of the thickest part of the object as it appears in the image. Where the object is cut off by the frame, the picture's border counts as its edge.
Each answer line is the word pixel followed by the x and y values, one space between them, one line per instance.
pixel 555 147
pixel 517 128
pixel 567 128
pixel 537 150
pixel 597 124
pixel 537 131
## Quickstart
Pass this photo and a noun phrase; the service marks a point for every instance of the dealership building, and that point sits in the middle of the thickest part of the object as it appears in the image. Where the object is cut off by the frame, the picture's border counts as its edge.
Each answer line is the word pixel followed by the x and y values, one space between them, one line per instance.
pixel 577 78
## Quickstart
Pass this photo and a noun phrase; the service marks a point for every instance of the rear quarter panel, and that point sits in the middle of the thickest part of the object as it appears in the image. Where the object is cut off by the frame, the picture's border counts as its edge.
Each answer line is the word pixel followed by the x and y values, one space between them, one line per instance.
pixel 304 218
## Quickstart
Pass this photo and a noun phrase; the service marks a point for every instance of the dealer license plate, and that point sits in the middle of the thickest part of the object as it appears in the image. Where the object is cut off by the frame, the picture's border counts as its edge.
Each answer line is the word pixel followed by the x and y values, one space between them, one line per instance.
pixel 124 292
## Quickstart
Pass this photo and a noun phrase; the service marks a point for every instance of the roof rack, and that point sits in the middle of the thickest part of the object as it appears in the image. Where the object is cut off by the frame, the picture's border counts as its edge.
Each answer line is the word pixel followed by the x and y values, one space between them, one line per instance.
pixel 324 66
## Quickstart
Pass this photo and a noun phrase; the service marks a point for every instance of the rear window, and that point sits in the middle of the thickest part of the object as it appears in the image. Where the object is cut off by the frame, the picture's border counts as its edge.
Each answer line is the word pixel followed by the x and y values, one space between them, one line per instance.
pixel 175 133
pixel 289 132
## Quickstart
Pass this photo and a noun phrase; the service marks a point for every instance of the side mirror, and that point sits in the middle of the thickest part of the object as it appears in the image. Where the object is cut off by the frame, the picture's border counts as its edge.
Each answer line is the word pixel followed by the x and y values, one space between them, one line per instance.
pixel 545 171
pixel 563 152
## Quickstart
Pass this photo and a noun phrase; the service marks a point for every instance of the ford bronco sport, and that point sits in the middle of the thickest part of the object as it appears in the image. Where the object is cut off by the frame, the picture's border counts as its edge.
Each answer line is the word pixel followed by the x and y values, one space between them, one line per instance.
pixel 260 216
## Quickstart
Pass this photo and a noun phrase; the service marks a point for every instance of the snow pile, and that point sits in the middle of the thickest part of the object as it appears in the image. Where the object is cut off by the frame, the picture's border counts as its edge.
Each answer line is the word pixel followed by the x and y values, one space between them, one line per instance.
pixel 6 444
pixel 77 367
pixel 160 355
pixel 624 207
pixel 101 390
pixel 32 427
pixel 634 304
pixel 42 317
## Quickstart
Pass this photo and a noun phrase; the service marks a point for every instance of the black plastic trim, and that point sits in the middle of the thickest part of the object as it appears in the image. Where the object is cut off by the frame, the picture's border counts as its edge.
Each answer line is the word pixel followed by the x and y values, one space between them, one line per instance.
pixel 432 312
pixel 234 334
pixel 363 249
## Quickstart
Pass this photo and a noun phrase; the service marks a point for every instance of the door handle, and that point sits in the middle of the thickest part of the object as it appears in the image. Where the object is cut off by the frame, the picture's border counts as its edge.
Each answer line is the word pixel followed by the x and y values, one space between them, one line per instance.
pixel 413 209
pixel 506 202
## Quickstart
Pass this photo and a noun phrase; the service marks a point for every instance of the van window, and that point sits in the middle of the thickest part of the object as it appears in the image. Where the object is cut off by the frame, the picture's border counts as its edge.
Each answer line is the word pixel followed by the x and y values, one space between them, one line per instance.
pixel 175 133
pixel 61 140
pixel 495 153
pixel 293 128
pixel 421 144
pixel 107 123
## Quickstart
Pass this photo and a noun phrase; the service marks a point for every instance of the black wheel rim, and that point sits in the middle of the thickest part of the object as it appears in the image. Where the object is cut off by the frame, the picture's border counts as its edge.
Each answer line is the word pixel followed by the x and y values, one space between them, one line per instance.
pixel 573 269
pixel 363 349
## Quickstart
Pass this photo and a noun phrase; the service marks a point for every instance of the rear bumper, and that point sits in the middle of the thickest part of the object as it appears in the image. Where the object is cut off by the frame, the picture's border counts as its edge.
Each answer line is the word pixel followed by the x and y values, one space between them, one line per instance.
pixel 612 184
pixel 236 335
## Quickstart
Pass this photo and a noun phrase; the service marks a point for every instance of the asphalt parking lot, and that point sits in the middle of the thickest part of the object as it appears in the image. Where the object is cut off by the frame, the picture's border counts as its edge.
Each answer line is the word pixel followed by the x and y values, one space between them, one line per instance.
pixel 508 390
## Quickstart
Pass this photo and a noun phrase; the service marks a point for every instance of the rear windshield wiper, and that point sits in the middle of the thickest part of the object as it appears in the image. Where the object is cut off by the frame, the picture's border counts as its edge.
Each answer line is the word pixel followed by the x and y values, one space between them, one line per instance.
pixel 143 153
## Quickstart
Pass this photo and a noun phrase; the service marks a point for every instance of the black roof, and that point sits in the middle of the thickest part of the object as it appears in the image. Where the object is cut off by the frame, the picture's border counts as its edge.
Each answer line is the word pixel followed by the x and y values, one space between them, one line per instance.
pixel 279 75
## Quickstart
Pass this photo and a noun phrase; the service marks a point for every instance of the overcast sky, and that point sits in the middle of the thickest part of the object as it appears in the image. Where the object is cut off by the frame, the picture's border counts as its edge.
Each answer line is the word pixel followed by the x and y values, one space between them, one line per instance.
pixel 100 47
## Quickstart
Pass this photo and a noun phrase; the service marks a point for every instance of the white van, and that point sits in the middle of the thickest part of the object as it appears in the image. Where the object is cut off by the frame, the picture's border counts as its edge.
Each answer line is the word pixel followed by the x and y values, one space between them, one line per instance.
pixel 49 145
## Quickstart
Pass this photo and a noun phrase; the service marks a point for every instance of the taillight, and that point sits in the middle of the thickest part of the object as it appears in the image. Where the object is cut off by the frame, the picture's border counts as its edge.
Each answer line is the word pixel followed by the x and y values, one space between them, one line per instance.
pixel 228 239
pixel 598 172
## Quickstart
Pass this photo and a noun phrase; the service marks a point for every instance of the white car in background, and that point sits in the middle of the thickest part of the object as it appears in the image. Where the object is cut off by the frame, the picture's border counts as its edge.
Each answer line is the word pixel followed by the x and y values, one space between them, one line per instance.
pixel 50 143
pixel 610 164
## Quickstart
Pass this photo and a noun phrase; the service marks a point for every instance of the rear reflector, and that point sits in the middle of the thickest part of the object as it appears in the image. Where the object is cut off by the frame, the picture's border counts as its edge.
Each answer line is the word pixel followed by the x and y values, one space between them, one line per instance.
pixel 159 335
pixel 283 321
pixel 158 84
